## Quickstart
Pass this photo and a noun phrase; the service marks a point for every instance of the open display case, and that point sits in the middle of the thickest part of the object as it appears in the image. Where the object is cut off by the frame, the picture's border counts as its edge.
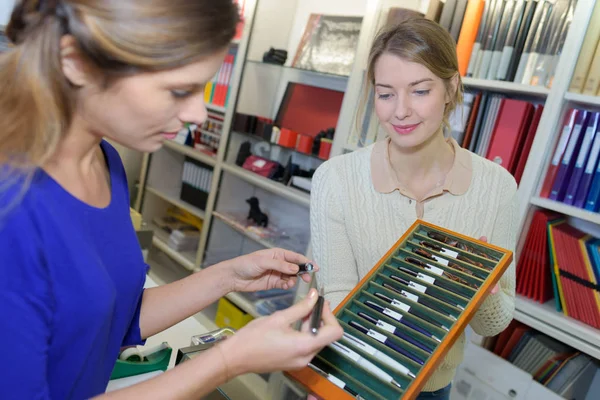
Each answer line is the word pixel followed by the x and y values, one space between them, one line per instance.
pixel 410 309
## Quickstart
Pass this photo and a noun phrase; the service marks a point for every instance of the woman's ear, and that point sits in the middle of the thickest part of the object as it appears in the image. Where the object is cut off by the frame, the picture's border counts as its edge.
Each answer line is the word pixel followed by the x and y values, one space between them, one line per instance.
pixel 452 88
pixel 74 66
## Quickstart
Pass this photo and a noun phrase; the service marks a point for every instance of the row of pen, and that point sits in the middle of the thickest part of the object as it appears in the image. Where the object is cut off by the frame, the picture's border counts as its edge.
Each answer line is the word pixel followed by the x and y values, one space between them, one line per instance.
pixel 397 319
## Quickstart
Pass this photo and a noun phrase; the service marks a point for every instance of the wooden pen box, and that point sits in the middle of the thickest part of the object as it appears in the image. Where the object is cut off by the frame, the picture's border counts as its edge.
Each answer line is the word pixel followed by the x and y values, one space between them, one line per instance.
pixel 411 307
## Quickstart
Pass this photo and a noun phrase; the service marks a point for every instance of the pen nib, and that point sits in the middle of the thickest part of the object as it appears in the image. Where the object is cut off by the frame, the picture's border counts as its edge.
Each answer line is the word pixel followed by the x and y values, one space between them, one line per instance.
pixel 412 375
pixel 396 384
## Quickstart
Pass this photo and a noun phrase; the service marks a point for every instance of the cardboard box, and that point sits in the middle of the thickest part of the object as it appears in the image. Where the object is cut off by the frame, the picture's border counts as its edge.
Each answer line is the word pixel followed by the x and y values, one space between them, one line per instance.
pixel 434 287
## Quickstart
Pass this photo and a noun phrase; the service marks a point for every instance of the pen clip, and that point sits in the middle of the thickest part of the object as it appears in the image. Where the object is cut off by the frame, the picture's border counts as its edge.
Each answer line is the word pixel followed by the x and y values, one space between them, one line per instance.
pixel 359 327
pixel 398 279
pixel 374 305
pixel 351 338
pixel 368 318
pixel 408 271
pixel 383 297
pixel 390 287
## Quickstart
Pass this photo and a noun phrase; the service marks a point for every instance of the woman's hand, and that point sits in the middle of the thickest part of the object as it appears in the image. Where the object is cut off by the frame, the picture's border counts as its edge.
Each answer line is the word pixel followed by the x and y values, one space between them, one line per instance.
pixel 265 269
pixel 271 343
pixel 496 288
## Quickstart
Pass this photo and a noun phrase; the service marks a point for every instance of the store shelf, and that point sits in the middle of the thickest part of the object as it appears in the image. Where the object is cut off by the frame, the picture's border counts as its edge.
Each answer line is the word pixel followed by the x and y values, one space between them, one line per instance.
pixel 280 189
pixel 261 139
pixel 223 218
pixel 583 99
pixel 506 87
pixel 161 239
pixel 190 152
pixel 176 202
pixel 546 319
pixel 216 108
pixel 304 72
pixel 566 209
pixel 245 304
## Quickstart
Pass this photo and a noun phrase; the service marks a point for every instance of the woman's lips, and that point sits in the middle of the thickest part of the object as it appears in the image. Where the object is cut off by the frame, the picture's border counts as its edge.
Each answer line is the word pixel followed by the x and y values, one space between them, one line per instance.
pixel 169 135
pixel 405 129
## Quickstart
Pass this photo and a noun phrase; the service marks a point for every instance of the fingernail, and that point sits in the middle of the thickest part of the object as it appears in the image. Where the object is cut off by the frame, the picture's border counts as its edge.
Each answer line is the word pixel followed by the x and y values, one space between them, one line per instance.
pixel 313 293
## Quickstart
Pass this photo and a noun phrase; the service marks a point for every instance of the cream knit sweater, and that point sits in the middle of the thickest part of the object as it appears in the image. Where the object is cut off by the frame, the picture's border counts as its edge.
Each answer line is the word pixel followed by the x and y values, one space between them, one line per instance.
pixel 353 226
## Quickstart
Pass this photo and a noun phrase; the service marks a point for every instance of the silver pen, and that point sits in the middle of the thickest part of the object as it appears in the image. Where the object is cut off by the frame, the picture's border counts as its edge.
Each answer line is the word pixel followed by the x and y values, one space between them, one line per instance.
pixel 381 356
pixel 366 364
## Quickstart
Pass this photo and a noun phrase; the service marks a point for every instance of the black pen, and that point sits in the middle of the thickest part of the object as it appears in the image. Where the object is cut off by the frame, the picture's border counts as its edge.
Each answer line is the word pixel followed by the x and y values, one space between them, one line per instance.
pixel 429 279
pixel 447 263
pixel 400 318
pixel 417 299
pixel 423 289
pixel 315 318
pixel 409 310
pixel 394 331
pixel 385 340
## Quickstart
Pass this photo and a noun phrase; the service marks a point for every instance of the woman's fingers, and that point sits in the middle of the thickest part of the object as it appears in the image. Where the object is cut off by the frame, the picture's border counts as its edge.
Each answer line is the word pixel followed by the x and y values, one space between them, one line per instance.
pixel 299 310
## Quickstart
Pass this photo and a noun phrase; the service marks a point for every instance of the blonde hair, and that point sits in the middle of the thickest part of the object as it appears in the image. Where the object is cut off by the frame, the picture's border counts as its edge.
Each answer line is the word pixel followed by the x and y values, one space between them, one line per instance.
pixel 117 37
pixel 421 41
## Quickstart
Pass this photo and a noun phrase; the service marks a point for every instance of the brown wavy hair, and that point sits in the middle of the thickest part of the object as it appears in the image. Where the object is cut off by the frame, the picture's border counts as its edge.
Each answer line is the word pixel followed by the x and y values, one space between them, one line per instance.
pixel 421 41
pixel 118 37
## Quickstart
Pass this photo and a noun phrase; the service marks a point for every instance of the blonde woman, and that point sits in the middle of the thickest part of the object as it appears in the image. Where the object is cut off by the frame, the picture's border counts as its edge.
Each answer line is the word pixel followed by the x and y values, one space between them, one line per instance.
pixel 72 273
pixel 362 202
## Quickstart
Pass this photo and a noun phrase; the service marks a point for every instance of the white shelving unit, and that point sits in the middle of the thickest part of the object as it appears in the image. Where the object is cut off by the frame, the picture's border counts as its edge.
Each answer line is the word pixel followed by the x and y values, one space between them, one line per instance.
pixel 161 239
pixel 173 199
pixel 190 152
pixel 566 209
pixel 287 192
pixel 585 100
pixel 546 319
pixel 213 107
pixel 505 87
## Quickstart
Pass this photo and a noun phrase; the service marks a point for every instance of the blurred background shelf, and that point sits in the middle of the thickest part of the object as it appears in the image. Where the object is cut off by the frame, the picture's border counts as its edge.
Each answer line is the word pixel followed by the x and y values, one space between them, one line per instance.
pixel 583 99
pixel 566 209
pixel 546 319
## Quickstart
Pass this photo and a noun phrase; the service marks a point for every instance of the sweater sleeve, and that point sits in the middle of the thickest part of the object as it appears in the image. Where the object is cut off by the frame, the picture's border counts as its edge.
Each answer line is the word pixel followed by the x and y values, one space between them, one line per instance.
pixel 329 239
pixel 497 309
pixel 26 311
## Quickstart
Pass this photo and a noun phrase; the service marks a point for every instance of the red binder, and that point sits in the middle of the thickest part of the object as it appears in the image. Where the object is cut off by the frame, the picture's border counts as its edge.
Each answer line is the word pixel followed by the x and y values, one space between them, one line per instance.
pixel 522 160
pixel 514 118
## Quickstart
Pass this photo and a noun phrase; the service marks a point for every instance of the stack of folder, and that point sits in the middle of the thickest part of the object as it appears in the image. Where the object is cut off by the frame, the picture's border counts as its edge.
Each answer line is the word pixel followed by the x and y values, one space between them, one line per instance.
pixel 573 176
pixel 560 261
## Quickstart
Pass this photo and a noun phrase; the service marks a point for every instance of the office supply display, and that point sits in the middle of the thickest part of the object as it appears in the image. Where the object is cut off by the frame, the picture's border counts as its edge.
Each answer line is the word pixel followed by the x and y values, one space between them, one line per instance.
pixel 406 313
